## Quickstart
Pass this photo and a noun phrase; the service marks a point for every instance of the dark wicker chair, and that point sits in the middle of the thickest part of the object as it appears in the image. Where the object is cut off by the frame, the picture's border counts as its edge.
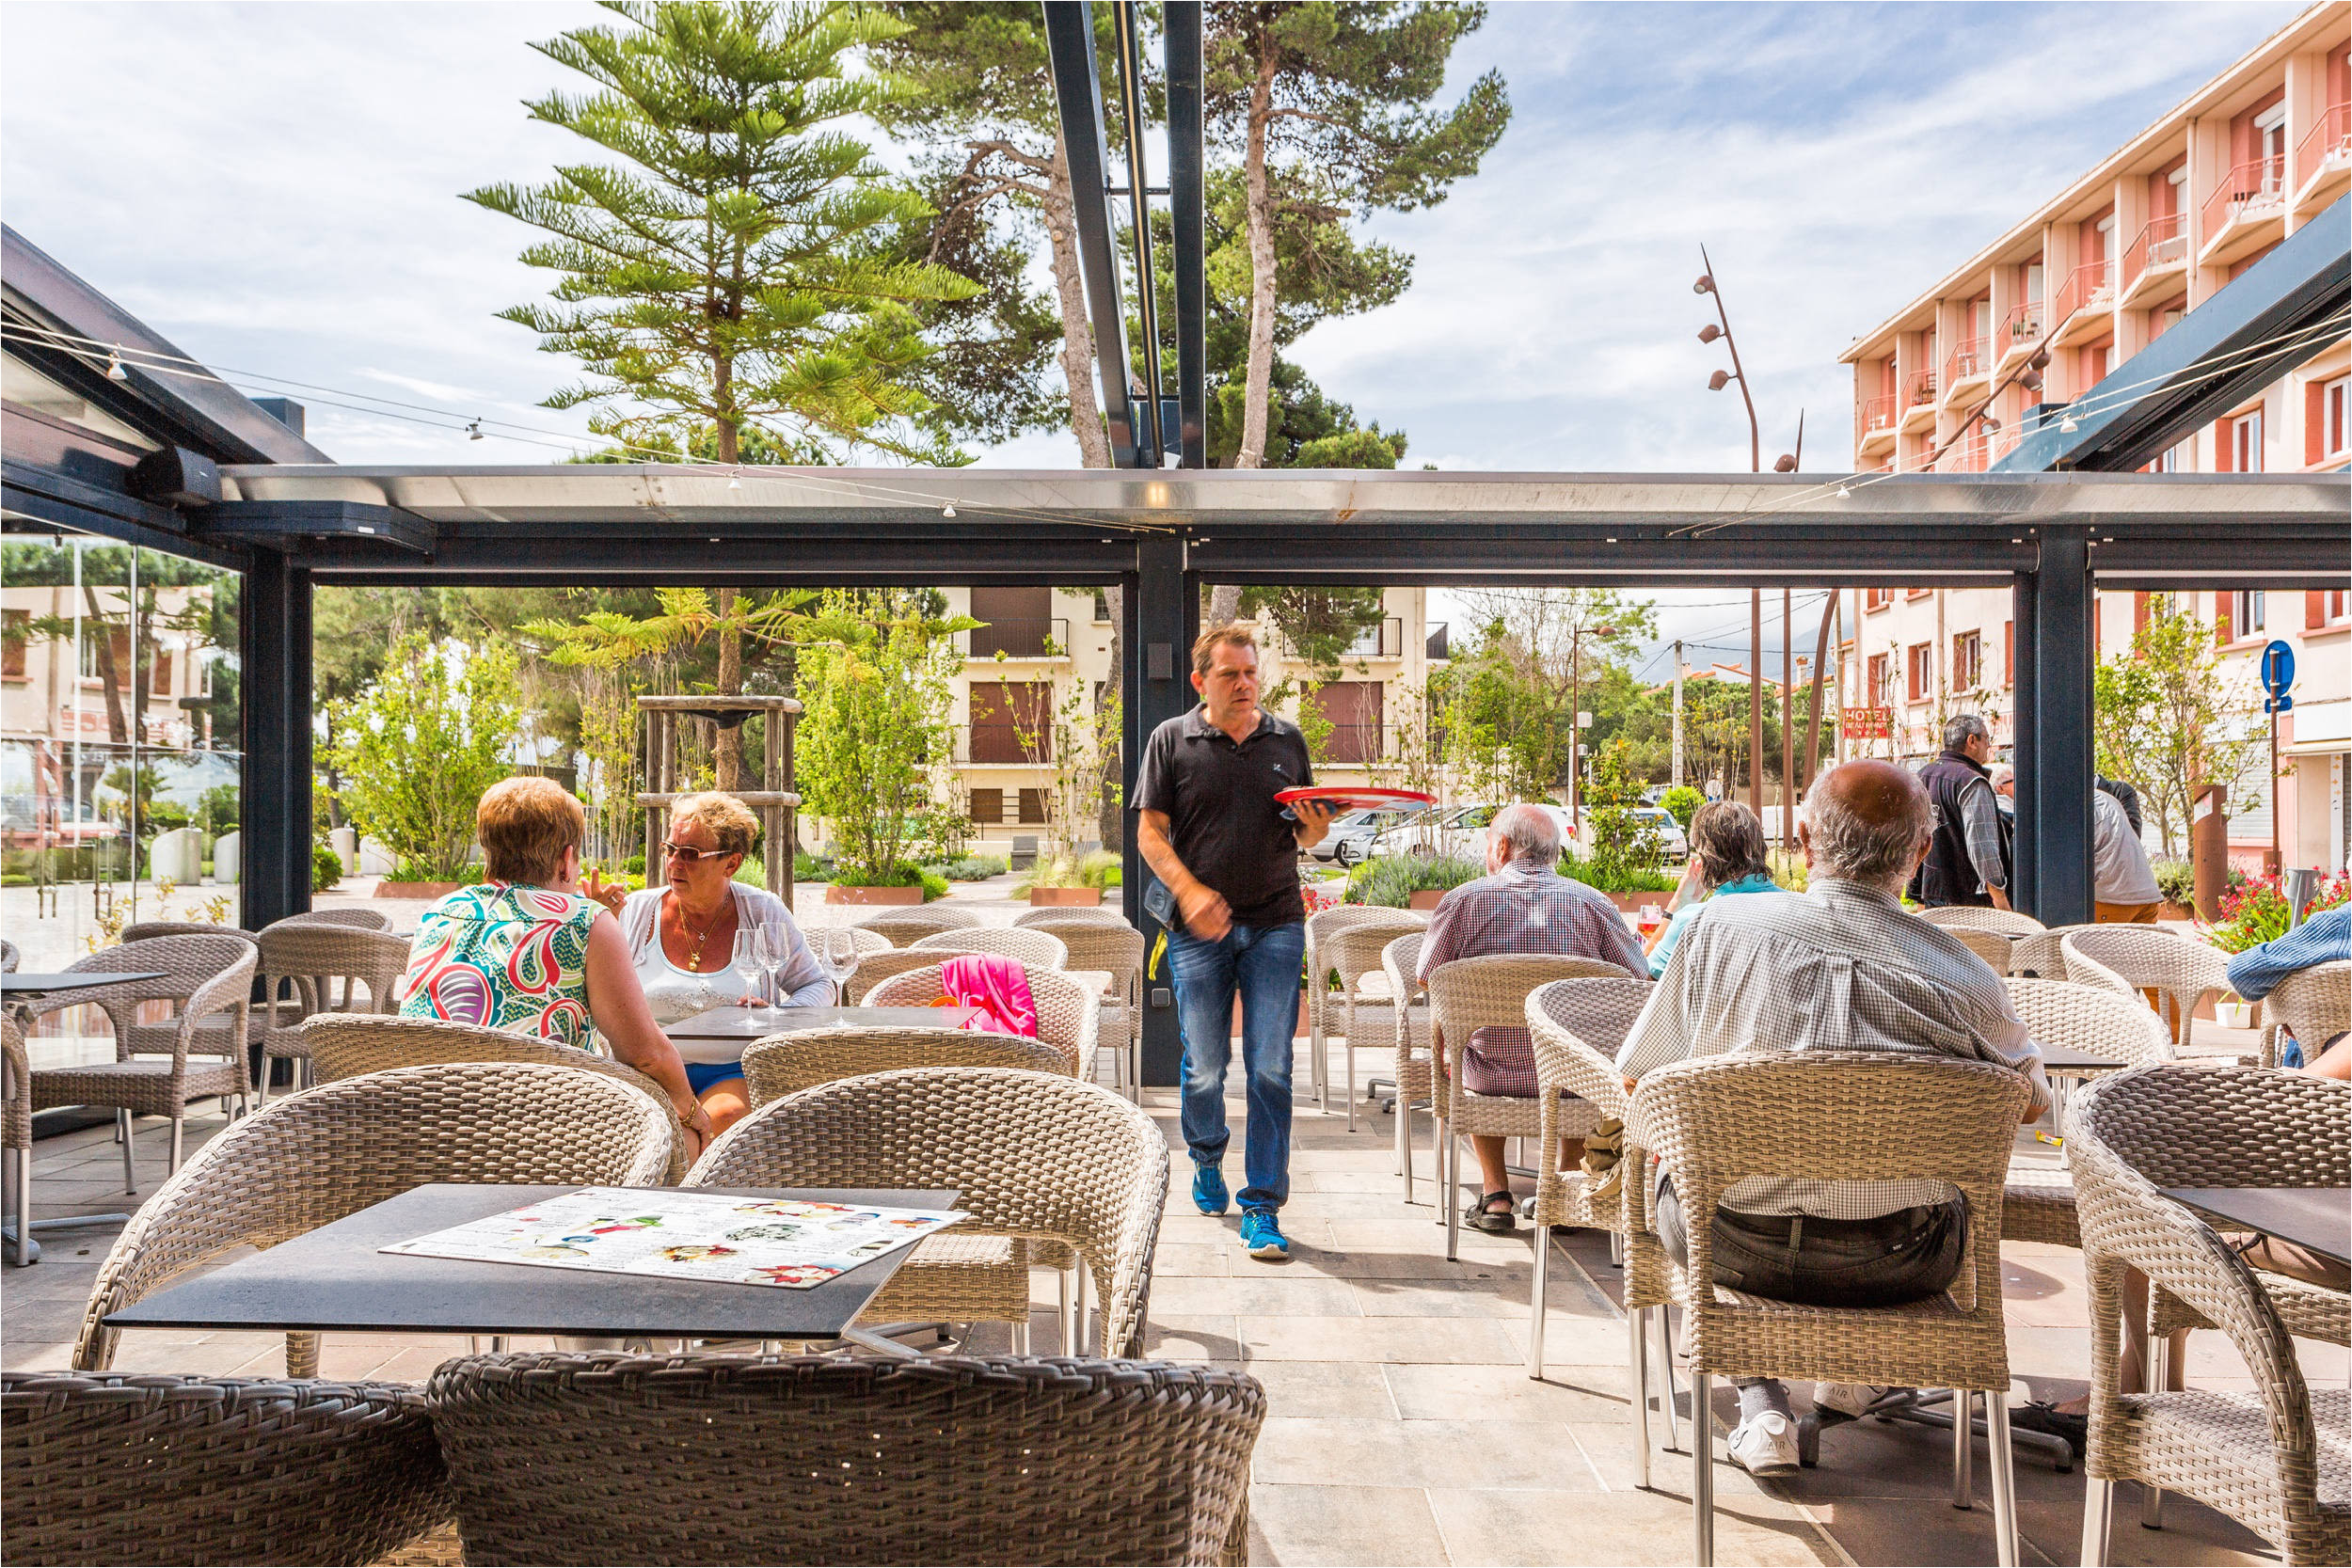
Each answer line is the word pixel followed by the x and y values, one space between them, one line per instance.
pixel 824 1460
pixel 107 1467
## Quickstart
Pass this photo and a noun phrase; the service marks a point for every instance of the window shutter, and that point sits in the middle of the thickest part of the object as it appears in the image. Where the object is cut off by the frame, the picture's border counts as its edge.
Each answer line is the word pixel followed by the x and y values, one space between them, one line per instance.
pixel 1032 807
pixel 2315 422
pixel 2223 448
pixel 987 807
pixel 2221 617
pixel 2314 608
pixel 2009 652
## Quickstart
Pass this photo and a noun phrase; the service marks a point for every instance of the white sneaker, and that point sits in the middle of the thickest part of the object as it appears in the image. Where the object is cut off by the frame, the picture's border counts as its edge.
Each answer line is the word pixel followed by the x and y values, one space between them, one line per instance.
pixel 1766 1445
pixel 1843 1399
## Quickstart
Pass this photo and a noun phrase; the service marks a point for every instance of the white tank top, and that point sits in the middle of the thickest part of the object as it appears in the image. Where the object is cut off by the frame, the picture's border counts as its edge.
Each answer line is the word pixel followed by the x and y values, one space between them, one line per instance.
pixel 673 993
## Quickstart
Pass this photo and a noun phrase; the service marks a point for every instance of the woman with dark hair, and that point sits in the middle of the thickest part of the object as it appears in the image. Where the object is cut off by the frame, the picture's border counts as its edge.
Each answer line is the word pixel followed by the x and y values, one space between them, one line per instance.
pixel 1726 856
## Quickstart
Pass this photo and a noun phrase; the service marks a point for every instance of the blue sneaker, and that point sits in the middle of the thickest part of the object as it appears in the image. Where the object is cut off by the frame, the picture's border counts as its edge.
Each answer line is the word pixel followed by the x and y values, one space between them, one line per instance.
pixel 1262 1235
pixel 1208 1190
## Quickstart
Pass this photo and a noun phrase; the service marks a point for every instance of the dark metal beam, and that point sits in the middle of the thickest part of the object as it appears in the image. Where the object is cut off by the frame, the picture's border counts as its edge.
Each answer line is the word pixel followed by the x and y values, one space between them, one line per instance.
pixel 1162 607
pixel 274 644
pixel 1078 96
pixel 2062 763
pixel 44 498
pixel 2026 660
pixel 2265 321
pixel 1127 18
pixel 290 525
pixel 1187 163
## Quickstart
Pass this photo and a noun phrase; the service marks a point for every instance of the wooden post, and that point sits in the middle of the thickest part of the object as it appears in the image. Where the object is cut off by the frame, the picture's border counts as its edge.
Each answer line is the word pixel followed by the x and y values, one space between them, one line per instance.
pixel 2209 849
pixel 1756 705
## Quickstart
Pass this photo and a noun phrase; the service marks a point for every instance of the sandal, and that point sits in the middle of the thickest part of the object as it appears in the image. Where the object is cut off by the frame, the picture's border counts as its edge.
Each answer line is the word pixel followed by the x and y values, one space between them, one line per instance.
pixel 1483 1215
pixel 2043 1415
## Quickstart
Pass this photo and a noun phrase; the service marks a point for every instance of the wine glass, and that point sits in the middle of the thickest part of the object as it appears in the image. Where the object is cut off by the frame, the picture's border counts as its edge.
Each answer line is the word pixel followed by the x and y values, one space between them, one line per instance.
pixel 840 958
pixel 776 950
pixel 746 962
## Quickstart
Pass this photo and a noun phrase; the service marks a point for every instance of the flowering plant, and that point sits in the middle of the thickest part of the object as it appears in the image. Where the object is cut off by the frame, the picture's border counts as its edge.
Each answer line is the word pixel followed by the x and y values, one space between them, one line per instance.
pixel 2256 911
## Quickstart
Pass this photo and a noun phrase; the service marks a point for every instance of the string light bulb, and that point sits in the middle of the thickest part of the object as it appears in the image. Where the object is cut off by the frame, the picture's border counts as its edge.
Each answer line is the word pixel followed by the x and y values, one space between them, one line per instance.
pixel 949 510
pixel 2067 426
pixel 734 481
pixel 114 366
pixel 473 430
pixel 1844 494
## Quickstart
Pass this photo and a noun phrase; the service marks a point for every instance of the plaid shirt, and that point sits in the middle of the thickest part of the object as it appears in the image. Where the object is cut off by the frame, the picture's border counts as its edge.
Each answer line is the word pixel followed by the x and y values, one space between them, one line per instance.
pixel 1840 967
pixel 1527 906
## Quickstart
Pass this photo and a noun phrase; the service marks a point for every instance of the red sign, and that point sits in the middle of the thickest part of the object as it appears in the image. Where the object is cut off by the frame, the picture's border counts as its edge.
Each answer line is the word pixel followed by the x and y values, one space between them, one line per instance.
pixel 1866 723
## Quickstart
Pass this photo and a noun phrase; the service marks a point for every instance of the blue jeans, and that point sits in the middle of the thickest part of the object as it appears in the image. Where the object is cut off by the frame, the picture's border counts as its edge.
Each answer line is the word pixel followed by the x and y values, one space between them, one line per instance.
pixel 1261 963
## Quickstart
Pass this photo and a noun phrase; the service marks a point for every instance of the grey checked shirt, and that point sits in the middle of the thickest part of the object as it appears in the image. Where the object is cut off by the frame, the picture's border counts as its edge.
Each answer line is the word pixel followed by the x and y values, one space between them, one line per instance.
pixel 1980 819
pixel 1839 967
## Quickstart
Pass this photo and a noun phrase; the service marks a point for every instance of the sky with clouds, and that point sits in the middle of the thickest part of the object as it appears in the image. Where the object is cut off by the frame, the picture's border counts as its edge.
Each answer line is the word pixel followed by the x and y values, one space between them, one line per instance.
pixel 275 188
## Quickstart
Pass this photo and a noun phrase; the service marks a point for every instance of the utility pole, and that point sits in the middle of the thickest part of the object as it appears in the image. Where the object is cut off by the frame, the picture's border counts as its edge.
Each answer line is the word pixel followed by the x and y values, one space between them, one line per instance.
pixel 1756 704
pixel 1678 747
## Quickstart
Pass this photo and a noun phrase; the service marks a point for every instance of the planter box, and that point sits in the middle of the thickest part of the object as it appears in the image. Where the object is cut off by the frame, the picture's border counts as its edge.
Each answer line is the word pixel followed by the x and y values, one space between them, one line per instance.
pixel 844 892
pixel 1298 1032
pixel 1087 896
pixel 1426 897
pixel 418 890
pixel 2168 910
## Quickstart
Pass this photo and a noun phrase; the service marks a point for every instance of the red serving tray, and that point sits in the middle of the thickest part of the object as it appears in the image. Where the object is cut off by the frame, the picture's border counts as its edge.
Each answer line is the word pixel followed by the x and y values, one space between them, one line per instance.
pixel 1356 797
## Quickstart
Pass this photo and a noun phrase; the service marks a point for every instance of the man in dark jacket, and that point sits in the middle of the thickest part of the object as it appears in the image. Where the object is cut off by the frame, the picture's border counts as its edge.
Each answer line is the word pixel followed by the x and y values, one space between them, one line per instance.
pixel 1964 865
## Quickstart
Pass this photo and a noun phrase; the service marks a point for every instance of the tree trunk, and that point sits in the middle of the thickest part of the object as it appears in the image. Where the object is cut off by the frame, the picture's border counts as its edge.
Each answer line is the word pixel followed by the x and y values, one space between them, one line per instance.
pixel 1225 597
pixel 1261 225
pixel 1077 337
pixel 117 730
pixel 1111 815
pixel 726 741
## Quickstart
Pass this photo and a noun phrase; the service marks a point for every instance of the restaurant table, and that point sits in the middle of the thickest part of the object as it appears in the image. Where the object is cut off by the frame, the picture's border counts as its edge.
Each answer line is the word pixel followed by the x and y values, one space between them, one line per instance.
pixel 720 1034
pixel 2062 1064
pixel 336 1280
pixel 2317 1219
pixel 49 984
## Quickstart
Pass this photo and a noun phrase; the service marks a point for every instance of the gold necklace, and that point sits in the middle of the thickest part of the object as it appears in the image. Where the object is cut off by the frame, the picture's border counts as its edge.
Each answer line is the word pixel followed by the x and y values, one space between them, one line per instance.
pixel 694 958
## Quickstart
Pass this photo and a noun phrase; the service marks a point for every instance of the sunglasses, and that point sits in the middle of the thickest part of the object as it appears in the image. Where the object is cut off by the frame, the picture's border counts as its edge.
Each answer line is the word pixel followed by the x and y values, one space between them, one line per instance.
pixel 688 853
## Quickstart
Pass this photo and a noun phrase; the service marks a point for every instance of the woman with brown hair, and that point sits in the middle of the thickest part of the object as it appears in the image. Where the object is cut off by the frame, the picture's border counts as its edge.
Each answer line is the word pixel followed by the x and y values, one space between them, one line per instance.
pixel 1727 857
pixel 525 949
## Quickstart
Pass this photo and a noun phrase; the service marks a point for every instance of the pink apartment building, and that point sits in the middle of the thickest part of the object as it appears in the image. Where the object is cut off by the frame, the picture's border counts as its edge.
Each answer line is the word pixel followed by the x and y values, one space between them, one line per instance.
pixel 2095 276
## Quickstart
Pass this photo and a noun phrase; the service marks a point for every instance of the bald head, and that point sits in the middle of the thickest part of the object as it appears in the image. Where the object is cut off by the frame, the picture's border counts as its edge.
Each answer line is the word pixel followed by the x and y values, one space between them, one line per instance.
pixel 1867 822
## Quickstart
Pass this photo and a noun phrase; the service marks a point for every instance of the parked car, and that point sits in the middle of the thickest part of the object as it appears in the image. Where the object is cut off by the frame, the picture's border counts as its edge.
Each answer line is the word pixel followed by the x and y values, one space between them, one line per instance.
pixel 1350 838
pixel 1670 834
pixel 1457 830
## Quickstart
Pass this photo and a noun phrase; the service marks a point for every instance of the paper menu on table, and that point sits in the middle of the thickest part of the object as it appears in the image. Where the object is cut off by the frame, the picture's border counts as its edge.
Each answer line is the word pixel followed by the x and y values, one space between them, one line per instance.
pixel 792 1242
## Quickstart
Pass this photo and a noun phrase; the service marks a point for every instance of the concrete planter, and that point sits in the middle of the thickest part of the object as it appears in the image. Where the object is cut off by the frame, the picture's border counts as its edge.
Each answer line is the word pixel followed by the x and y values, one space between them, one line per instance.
pixel 1298 1032
pixel 843 892
pixel 2169 911
pixel 1426 897
pixel 417 890
pixel 1082 897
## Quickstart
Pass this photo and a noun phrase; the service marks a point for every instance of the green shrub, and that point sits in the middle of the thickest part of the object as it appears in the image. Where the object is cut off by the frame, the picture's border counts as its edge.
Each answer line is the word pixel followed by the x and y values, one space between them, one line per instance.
pixel 810 868
pixel 1682 803
pixel 2176 881
pixel 1101 868
pixel 634 866
pixel 1615 876
pixel 908 874
pixel 1392 880
pixel 327 868
pixel 970 868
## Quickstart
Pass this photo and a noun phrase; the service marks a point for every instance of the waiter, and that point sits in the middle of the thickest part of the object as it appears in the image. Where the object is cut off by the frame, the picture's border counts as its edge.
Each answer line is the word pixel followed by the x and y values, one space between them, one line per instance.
pixel 1212 831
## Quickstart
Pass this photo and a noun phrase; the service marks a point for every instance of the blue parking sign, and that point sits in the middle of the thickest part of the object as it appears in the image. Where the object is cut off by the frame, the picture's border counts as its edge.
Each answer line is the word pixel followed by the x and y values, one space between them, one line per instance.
pixel 2278 672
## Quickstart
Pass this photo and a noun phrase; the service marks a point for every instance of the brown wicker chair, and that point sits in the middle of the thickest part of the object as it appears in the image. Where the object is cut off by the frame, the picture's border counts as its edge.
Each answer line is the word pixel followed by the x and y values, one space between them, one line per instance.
pixel 314 1157
pixel 1838 1117
pixel 1320 927
pixel 2313 1005
pixel 2180 972
pixel 307 958
pixel 342 914
pixel 937 1460
pixel 2040 956
pixel 1113 948
pixel 1069 1015
pixel 903 923
pixel 2277 1459
pixel 1051 916
pixel 206 974
pixel 874 968
pixel 1991 946
pixel 351 1045
pixel 1353 953
pixel 782 1065
pixel 1968 917
pixel 1041 949
pixel 1039 1160
pixel 1577 1028
pixel 152 930
pixel 2040 1204
pixel 1416 1071
pixel 161 1468
pixel 1470 994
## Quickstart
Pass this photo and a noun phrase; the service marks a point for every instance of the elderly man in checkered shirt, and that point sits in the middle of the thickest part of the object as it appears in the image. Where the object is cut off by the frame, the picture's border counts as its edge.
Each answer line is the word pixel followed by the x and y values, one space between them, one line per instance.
pixel 1524 905
pixel 1839 967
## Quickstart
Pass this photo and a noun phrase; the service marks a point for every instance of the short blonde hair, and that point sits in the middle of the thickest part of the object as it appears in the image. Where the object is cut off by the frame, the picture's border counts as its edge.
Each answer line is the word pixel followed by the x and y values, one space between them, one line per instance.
pixel 730 820
pixel 1239 634
pixel 525 824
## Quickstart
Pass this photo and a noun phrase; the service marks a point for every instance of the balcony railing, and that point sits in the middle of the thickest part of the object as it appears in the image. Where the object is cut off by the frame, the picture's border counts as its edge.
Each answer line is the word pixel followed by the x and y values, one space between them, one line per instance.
pixel 1019 637
pixel 1385 640
pixel 2161 242
pixel 1922 388
pixel 2329 139
pixel 1875 416
pixel 1965 362
pixel 1970 455
pixel 2254 189
pixel 2021 327
pixel 2088 287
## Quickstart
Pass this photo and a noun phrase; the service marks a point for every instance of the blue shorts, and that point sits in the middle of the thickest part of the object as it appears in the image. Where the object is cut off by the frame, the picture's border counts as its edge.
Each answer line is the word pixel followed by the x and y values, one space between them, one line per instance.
pixel 702 1076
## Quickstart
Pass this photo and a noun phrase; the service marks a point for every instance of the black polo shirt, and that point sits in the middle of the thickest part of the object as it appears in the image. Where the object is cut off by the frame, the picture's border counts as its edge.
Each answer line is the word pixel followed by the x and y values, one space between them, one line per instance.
pixel 1222 816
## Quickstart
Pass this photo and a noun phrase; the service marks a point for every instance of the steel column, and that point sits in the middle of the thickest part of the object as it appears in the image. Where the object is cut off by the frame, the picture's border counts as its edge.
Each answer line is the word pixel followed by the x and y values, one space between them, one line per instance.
pixel 1180 22
pixel 2061 768
pixel 1162 609
pixel 2025 661
pixel 1078 94
pixel 274 645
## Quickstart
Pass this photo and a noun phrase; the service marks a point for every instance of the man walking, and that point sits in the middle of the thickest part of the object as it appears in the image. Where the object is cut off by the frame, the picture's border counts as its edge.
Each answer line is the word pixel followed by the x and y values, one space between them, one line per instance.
pixel 1210 830
pixel 1968 862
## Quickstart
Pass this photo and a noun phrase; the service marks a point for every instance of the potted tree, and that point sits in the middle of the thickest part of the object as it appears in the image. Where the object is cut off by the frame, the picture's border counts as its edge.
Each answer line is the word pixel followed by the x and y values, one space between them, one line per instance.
pixel 1076 746
pixel 417 749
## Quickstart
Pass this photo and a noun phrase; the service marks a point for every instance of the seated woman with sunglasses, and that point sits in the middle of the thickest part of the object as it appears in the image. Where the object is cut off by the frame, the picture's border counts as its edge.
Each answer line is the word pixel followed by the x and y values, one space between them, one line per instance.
pixel 680 931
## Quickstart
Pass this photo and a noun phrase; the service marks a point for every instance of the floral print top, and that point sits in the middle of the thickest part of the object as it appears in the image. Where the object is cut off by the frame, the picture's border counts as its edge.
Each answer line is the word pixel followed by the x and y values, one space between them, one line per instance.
pixel 506 955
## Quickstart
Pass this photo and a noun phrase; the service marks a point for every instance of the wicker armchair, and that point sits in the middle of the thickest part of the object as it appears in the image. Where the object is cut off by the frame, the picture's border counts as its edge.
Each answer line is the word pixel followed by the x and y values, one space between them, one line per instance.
pixel 938 1460
pixel 10 956
pixel 786 1064
pixel 1578 1027
pixel 314 1157
pixel 2040 956
pixel 1039 949
pixel 2312 1005
pixel 903 923
pixel 1116 950
pixel 1038 1159
pixel 1352 951
pixel 1051 916
pixel 16 1130
pixel 2040 1204
pixel 163 1468
pixel 1069 1015
pixel 1968 917
pixel 1321 926
pixel 871 941
pixel 309 957
pixel 342 914
pixel 1851 1116
pixel 2180 972
pixel 1991 946
pixel 1416 1073
pixel 874 968
pixel 151 930
pixel 2275 1458
pixel 1470 994
pixel 207 976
